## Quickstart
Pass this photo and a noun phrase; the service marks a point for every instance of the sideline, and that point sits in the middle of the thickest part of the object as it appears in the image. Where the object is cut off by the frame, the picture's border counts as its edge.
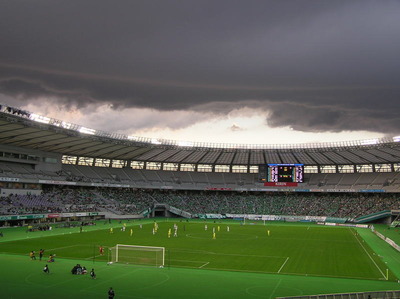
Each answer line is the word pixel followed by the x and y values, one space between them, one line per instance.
pixel 368 254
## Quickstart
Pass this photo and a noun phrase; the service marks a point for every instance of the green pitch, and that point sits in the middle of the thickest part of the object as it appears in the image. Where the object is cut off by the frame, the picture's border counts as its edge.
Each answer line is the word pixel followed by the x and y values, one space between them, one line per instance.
pixel 251 251
pixel 302 250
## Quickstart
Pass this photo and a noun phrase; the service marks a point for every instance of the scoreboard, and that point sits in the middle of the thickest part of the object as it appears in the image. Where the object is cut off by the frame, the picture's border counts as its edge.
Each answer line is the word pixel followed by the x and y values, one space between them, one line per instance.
pixel 285 173
pixel 281 173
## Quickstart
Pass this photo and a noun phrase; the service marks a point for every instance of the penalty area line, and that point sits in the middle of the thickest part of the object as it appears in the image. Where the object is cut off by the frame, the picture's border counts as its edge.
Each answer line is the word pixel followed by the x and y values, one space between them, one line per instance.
pixel 91 257
pixel 283 265
pixel 204 265
pixel 65 247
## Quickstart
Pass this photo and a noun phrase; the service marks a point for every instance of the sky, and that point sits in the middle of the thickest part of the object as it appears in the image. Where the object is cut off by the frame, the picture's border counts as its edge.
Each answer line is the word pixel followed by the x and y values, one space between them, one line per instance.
pixel 249 72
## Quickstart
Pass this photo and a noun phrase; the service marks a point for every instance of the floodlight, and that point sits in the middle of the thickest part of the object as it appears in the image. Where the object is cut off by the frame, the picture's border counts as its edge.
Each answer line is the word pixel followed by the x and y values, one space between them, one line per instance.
pixel 66 125
pixel 87 131
pixel 185 143
pixel 39 118
pixel 155 141
pixel 369 141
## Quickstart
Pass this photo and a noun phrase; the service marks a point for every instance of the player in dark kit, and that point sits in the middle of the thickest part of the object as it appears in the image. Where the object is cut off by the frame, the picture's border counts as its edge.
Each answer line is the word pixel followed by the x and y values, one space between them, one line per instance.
pixel 111 293
pixel 92 274
pixel 46 269
pixel 41 251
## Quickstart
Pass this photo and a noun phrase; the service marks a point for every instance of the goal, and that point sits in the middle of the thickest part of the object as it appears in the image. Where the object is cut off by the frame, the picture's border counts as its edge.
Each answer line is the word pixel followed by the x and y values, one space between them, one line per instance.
pixel 138 255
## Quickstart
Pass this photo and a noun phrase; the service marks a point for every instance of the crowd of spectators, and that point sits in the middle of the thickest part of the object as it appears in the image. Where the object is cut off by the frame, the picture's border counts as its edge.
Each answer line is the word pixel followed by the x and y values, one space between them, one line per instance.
pixel 125 201
pixel 69 200
pixel 128 201
pixel 316 204
pixel 29 203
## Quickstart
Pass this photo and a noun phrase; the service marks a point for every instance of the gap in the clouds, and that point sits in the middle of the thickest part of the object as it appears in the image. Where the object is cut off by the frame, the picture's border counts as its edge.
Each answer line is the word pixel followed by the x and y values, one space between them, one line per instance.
pixel 242 126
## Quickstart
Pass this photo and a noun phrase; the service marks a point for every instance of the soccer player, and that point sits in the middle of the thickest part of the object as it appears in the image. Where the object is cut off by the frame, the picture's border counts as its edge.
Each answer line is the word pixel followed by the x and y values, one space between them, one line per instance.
pixel 228 229
pixel 154 231
pixel 101 250
pixel 46 269
pixel 169 233
pixel 51 258
pixel 32 255
pixel 214 236
pixel 176 231
pixel 218 228
pixel 205 227
pixel 131 233
pixel 111 230
pixel 268 233
pixel 41 251
pixel 111 293
pixel 92 274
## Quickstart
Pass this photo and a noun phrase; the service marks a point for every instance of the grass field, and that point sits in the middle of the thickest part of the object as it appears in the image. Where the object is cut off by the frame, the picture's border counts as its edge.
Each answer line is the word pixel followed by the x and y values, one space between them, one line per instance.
pixel 301 252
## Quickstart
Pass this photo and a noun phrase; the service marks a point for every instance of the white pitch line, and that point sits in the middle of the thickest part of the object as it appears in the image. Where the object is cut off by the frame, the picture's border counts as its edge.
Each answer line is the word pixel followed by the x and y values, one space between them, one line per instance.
pixel 61 247
pixel 276 287
pixel 370 257
pixel 91 257
pixel 283 265
pixel 188 261
pixel 204 265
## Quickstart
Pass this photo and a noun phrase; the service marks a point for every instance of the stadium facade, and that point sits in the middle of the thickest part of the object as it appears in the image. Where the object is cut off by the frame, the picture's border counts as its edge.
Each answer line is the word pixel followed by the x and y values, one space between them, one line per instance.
pixel 37 152
pixel 46 145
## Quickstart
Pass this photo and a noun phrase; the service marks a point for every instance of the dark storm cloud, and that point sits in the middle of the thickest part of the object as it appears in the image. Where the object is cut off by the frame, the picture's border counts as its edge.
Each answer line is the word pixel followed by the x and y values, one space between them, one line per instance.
pixel 313 65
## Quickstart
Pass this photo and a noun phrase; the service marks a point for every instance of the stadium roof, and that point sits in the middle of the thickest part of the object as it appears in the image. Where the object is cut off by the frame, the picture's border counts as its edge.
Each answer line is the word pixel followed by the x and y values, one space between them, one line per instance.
pixel 24 129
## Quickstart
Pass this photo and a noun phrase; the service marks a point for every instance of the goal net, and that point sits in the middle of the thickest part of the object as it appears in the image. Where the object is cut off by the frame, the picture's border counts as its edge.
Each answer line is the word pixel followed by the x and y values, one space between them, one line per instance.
pixel 138 255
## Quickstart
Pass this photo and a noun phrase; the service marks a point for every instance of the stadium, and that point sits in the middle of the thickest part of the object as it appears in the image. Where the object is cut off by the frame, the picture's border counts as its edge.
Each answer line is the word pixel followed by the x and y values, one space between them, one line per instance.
pixel 248 221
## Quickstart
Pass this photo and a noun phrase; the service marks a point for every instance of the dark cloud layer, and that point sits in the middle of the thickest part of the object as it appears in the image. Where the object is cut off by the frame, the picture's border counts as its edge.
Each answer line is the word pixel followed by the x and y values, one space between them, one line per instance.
pixel 313 65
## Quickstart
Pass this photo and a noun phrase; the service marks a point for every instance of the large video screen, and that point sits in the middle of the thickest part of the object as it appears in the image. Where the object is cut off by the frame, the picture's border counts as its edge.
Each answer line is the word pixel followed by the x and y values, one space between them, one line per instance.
pixel 277 173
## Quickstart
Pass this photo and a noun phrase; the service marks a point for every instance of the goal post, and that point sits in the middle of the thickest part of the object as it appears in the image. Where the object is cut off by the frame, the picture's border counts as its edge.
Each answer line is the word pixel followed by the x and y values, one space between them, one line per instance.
pixel 138 255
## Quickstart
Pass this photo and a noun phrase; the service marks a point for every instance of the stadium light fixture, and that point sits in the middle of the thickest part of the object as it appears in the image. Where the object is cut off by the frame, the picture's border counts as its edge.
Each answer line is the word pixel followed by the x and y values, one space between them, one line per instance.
pixel 369 141
pixel 185 143
pixel 87 131
pixel 396 139
pixel 134 138
pixel 39 118
pixel 155 141
pixel 66 125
